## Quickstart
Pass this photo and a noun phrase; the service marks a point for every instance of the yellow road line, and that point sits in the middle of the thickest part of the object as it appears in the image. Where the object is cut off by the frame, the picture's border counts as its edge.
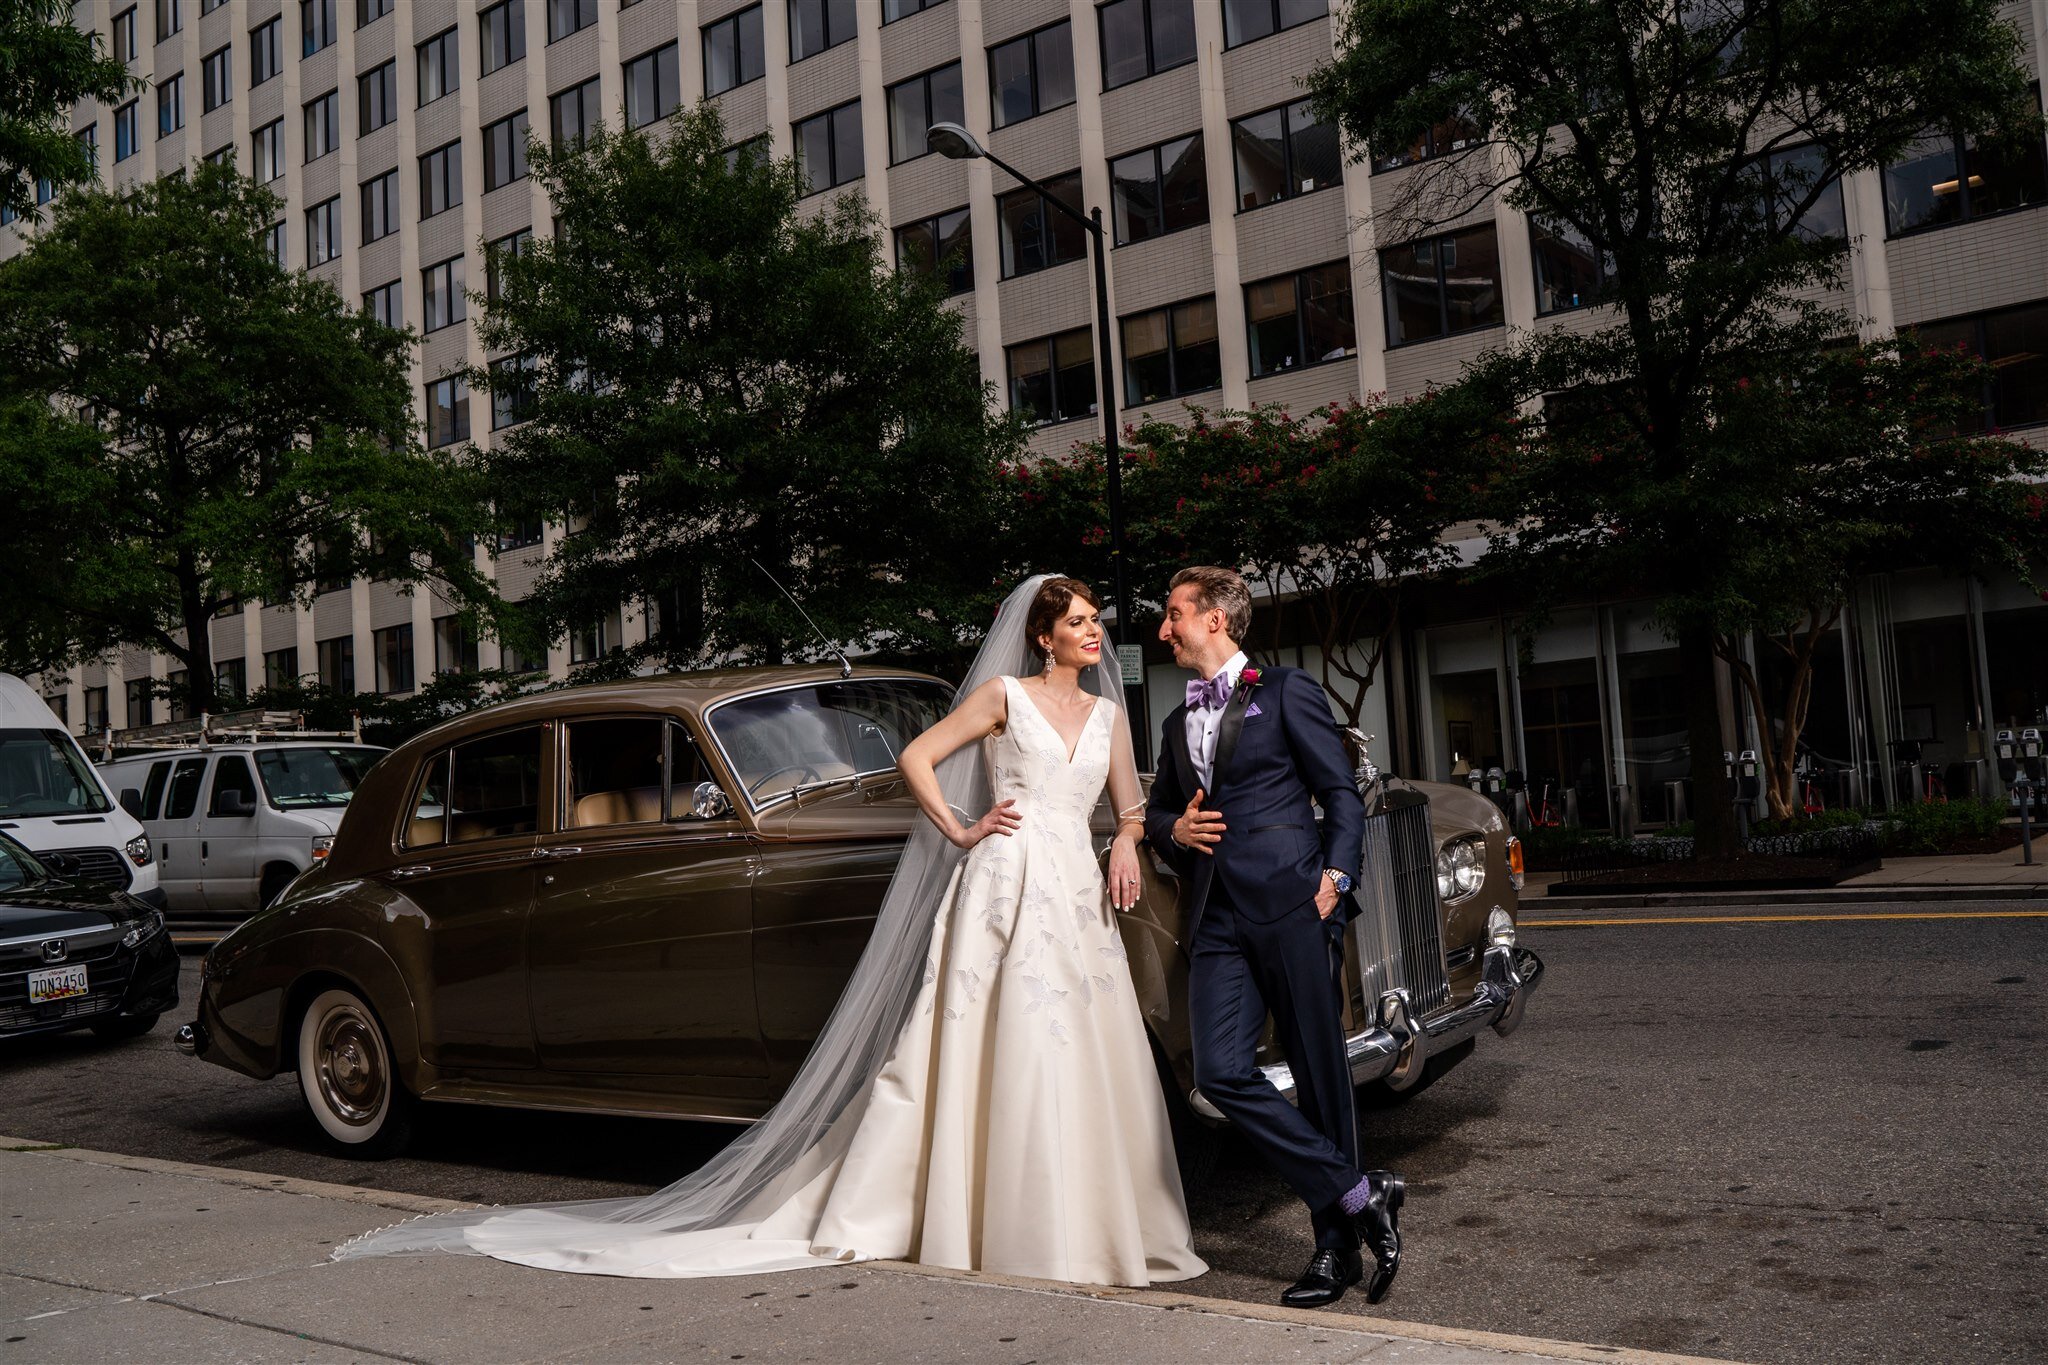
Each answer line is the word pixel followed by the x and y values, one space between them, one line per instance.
pixel 1778 919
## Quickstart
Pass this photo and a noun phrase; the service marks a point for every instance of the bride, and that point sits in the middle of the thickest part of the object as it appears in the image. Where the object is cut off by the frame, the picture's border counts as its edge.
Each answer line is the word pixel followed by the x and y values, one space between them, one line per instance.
pixel 983 1096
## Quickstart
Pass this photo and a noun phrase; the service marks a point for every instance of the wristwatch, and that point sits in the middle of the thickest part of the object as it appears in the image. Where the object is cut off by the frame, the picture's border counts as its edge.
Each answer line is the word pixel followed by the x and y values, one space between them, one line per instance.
pixel 1337 875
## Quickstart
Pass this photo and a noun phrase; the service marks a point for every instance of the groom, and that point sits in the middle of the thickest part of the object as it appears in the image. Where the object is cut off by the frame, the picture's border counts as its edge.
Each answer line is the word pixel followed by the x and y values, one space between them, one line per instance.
pixel 1238 765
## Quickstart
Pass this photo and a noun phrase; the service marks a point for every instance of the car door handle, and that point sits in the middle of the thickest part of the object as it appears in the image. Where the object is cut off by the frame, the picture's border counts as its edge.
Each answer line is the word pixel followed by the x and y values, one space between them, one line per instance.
pixel 557 852
pixel 416 870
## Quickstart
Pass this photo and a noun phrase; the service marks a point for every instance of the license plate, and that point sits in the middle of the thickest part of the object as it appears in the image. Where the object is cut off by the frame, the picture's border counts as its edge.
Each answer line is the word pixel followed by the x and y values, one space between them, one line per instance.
pixel 58 983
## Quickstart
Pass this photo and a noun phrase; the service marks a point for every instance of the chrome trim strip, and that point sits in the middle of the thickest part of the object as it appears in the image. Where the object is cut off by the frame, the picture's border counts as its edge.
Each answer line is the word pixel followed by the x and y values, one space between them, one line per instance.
pixel 84 938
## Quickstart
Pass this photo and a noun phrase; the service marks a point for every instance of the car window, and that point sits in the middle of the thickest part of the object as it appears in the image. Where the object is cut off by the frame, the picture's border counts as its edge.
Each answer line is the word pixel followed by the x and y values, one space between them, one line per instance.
pixel 302 779
pixel 42 773
pixel 153 789
pixel 687 768
pixel 797 735
pixel 183 796
pixel 429 822
pixel 231 774
pixel 494 786
pixel 614 771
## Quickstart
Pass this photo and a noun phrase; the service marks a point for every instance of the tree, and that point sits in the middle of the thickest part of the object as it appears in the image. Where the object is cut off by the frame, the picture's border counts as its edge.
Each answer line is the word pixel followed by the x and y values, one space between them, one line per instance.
pixel 48 64
pixel 1686 144
pixel 714 374
pixel 186 427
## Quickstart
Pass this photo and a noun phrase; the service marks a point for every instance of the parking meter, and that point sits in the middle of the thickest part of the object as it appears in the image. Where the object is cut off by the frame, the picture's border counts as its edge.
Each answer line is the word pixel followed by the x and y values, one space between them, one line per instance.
pixel 1746 785
pixel 2030 746
pixel 2005 747
pixel 1728 763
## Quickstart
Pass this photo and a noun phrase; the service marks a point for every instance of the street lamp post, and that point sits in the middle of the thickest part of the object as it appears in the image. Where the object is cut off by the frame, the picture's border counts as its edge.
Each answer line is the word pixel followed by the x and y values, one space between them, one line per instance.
pixel 952 140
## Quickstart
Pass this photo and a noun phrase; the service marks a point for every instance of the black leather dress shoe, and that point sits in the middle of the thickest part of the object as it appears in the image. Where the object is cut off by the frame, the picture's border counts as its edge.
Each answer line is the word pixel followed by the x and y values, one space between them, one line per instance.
pixel 1379 1228
pixel 1329 1274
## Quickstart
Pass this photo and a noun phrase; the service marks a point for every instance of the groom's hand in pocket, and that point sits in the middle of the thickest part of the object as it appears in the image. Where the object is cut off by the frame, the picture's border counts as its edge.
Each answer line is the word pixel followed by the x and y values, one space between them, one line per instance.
pixel 1198 829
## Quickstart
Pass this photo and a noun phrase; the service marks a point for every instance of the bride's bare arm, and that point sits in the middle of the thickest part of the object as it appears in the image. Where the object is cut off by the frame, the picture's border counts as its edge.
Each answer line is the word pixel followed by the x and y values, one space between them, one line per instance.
pixel 984 711
pixel 1128 801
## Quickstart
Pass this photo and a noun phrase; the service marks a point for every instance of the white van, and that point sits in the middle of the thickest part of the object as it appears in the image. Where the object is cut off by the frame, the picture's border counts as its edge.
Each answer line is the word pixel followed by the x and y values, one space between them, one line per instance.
pixel 57 805
pixel 233 823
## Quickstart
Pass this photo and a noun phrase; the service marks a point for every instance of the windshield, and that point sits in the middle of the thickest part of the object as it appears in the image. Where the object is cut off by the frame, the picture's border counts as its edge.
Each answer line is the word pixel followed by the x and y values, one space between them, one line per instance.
pixel 42 773
pixel 18 866
pixel 800 735
pixel 301 779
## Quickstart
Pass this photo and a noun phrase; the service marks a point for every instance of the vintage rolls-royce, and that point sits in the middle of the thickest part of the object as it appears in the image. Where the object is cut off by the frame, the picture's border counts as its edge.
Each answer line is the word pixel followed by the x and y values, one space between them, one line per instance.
pixel 644 898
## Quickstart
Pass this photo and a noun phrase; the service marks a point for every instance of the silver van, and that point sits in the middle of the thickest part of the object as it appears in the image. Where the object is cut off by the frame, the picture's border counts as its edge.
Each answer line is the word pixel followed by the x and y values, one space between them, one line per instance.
pixel 233 823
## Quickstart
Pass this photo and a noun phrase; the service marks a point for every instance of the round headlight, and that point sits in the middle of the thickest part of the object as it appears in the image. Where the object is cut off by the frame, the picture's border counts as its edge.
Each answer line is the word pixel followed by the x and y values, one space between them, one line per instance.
pixel 1461 867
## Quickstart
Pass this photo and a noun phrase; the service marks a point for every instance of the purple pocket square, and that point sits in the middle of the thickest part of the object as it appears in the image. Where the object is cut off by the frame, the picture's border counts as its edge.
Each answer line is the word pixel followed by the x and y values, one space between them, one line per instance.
pixel 1252 710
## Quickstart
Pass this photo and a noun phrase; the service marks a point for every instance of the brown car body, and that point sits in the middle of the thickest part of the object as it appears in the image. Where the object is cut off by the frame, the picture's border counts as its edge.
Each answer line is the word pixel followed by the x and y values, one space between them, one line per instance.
pixel 684 967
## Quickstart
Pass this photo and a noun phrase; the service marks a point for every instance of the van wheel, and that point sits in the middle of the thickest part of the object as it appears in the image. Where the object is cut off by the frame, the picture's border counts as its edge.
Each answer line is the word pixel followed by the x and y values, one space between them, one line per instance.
pixel 347 1078
pixel 275 880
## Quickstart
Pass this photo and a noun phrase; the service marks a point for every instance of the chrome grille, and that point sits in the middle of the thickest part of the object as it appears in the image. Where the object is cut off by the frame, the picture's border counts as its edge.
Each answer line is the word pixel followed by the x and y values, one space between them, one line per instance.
pixel 1399 932
pixel 94 865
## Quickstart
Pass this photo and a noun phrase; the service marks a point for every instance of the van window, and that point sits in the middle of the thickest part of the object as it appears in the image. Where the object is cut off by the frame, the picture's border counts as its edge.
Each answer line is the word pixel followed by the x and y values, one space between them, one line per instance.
pixel 303 779
pixel 42 773
pixel 429 823
pixel 494 786
pixel 614 771
pixel 231 774
pixel 184 789
pixel 153 790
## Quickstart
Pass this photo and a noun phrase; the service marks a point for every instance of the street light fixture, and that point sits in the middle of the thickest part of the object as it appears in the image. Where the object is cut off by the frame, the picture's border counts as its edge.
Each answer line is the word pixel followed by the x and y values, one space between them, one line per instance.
pixel 955 142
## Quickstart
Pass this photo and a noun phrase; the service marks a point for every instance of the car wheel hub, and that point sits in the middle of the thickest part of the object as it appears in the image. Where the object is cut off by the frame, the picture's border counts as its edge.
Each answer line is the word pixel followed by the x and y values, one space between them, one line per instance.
pixel 352 1074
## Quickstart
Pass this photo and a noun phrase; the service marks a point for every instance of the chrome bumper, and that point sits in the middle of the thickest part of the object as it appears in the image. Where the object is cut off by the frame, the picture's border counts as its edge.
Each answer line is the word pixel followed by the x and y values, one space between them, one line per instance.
pixel 1396 1049
pixel 191 1039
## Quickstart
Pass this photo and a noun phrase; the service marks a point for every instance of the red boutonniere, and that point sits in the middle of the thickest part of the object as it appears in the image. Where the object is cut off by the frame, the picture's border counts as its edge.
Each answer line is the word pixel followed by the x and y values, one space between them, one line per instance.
pixel 1250 677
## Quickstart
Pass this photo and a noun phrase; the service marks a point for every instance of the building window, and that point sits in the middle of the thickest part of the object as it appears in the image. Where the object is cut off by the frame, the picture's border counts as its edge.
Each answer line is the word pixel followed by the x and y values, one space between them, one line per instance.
pixel 323 232
pixel 377 97
pixel 570 16
pixel 1440 286
pixel 370 11
pixel 447 411
pixel 1945 179
pixel 1159 190
pixel 734 52
pixel 512 390
pixel 505 151
pixel 504 34
pixel 338 663
pixel 440 180
pixel 1454 134
pixel 941 246
pixel 573 115
pixel 1569 272
pixel 1052 379
pixel 127 128
pixel 892 10
pixel 124 35
pixel 1794 176
pixel 2014 342
pixel 1035 235
pixel 1142 38
pixel 221 156
pixel 518 536
pixel 590 643
pixel 170 105
pixel 209 6
pixel 446 304
pixel 95 713
pixel 141 701
pixel 386 304
pixel 231 679
pixel 501 249
pixel 216 79
pixel 380 206
pixel 815 25
pixel 266 56
pixel 394 658
pixel 281 667
pixel 170 18
pixel 1300 319
pixel 454 646
pixel 653 86
pixel 273 241
pixel 1283 153
pixel 323 125
pixel 1030 75
pixel 267 162
pixel 440 66
pixel 89 138
pixel 318 27
pixel 1171 351
pixel 916 104
pixel 828 147
pixel 1247 21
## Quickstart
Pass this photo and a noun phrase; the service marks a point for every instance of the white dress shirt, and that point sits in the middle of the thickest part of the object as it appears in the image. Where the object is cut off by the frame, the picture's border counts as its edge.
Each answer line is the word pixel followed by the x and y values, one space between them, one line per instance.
pixel 1203 723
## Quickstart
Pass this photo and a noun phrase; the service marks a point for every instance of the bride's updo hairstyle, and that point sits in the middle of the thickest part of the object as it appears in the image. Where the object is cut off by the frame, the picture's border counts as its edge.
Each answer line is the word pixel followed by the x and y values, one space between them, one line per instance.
pixel 1055 595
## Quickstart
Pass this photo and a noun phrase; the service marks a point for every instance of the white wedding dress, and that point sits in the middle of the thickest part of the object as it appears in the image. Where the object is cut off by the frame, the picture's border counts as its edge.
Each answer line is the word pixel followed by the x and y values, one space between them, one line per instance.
pixel 1017 1126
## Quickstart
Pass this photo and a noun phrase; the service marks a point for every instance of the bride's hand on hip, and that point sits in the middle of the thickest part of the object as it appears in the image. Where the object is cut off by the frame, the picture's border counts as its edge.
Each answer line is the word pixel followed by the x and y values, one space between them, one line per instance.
pixel 1123 874
pixel 1002 819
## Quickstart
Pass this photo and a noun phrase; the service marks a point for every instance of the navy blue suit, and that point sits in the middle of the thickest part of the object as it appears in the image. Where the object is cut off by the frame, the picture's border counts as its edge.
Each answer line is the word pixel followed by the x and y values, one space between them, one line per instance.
pixel 1255 942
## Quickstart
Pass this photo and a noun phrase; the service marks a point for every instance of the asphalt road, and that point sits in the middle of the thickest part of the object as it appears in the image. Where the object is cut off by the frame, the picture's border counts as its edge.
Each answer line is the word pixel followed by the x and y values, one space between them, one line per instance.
pixel 1786 1142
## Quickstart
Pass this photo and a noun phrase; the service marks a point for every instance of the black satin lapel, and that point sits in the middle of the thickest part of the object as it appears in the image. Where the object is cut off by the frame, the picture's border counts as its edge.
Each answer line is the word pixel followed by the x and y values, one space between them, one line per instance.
pixel 1190 776
pixel 1228 730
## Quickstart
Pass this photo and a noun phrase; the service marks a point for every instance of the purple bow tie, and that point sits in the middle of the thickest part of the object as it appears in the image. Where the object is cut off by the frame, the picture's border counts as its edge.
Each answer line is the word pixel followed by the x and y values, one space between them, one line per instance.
pixel 1209 695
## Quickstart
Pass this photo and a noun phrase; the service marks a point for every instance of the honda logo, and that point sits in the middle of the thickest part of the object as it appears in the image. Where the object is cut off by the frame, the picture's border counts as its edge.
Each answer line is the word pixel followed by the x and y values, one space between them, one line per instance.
pixel 55 950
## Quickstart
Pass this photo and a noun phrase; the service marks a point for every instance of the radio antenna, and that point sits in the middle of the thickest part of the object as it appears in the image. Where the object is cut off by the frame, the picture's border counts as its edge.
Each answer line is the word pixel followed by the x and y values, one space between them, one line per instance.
pixel 845 668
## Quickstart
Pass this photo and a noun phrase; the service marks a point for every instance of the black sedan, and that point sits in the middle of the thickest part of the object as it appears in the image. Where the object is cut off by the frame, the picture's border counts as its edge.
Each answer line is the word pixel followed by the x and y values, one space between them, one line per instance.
pixel 76 954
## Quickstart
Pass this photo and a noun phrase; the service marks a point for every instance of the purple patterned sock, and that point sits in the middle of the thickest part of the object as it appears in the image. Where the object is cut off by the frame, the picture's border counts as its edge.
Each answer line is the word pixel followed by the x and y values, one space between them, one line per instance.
pixel 1360 1196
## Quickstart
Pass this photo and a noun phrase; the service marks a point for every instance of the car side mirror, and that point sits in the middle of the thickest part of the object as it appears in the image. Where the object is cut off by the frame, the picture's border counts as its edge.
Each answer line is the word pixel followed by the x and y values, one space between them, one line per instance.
pixel 131 801
pixel 709 802
pixel 237 805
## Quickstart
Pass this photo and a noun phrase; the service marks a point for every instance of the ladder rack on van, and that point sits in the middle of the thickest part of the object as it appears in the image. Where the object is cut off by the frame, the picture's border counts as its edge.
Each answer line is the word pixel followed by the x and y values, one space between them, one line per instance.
pixel 230 727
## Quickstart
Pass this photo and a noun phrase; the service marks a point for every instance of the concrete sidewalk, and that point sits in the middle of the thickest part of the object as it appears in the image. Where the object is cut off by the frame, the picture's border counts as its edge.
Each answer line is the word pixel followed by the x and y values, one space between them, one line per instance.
pixel 108 1258
pixel 1997 877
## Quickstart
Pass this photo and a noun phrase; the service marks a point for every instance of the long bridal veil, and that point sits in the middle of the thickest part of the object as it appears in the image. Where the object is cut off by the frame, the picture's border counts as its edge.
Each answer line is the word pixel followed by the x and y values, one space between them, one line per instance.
pixel 775 1157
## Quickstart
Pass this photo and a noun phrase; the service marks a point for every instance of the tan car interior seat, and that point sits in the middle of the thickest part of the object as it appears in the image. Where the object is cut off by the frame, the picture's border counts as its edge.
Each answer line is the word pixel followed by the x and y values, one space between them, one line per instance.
pixel 634 806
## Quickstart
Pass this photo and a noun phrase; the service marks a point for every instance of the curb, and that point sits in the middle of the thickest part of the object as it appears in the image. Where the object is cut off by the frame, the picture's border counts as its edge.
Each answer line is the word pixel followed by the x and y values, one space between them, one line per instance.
pixel 1876 895
pixel 1157 1300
